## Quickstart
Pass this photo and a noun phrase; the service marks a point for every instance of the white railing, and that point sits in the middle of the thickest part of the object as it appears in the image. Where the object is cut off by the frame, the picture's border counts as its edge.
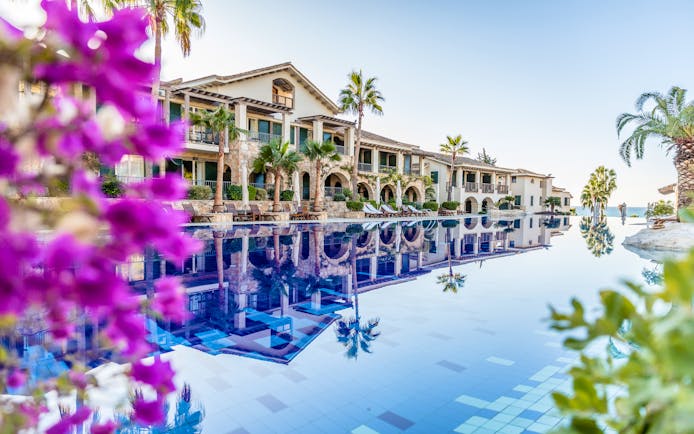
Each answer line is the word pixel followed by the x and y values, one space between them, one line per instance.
pixel 383 168
pixel 502 189
pixel 332 191
pixel 340 149
pixel 213 184
pixel 471 187
pixel 203 137
pixel 127 179
pixel 365 167
pixel 257 136
pixel 487 188
pixel 283 100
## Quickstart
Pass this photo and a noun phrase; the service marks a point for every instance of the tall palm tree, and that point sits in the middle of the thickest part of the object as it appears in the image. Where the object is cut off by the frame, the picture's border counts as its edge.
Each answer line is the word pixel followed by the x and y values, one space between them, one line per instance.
pixel 598 236
pixel 320 153
pixel 185 16
pixel 601 184
pixel 277 159
pixel 359 95
pixel 221 122
pixel 670 120
pixel 553 202
pixel 454 146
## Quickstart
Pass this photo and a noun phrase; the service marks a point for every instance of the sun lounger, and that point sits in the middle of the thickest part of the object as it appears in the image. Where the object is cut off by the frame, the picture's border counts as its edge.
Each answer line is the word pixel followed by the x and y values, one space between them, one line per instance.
pixel 370 211
pixel 239 215
pixel 390 211
pixel 256 214
pixel 194 215
pixel 415 211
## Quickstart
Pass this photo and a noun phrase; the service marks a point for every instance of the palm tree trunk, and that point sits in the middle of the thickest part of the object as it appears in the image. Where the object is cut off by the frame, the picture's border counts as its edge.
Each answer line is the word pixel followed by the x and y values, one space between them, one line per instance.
pixel 317 199
pixel 276 197
pixel 684 164
pixel 218 206
pixel 450 181
pixel 355 166
pixel 157 55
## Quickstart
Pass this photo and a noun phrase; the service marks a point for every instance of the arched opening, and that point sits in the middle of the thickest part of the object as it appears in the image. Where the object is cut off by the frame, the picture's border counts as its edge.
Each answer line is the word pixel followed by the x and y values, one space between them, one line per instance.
pixel 306 186
pixel 486 222
pixel 364 239
pixel 334 247
pixel 470 223
pixel 283 92
pixel 411 195
pixel 334 184
pixel 256 179
pixel 387 235
pixel 411 233
pixel 470 205
pixel 227 174
pixel 487 205
pixel 387 193
pixel 363 190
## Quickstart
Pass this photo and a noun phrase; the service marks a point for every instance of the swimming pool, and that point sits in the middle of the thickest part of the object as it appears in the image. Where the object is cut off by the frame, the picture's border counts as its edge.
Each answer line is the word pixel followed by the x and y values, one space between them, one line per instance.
pixel 429 326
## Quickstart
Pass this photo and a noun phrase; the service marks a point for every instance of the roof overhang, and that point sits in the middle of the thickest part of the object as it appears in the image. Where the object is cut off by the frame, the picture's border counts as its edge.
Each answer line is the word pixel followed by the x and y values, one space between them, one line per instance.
pixel 327 120
pixel 668 189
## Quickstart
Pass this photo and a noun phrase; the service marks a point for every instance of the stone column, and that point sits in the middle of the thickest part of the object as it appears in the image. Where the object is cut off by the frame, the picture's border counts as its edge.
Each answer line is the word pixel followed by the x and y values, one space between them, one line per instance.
pixel 241 120
pixel 478 179
pixel 318 131
pixel 349 142
pixel 400 162
pixel 244 185
pixel 378 190
pixel 296 184
pixel 374 160
pixel 244 254
pixel 398 264
pixel 286 128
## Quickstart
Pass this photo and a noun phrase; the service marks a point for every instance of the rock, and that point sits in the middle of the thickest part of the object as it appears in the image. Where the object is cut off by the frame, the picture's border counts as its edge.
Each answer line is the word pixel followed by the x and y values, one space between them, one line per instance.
pixel 673 237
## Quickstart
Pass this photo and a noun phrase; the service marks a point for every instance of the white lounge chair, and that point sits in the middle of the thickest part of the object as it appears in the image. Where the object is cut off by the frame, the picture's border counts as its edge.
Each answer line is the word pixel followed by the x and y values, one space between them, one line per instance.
pixel 415 211
pixel 371 211
pixel 389 211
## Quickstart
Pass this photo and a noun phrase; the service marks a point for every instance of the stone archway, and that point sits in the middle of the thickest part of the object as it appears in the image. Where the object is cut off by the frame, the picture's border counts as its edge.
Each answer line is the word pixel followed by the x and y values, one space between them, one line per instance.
pixel 364 190
pixel 305 186
pixel 334 183
pixel 387 193
pixel 412 194
pixel 471 205
pixel 487 204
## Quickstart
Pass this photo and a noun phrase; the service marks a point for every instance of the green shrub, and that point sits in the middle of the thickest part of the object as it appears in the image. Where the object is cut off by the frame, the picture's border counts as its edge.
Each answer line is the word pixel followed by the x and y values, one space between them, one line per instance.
pixel 339 197
pixel 449 223
pixel 286 195
pixel 354 205
pixel 112 187
pixel 260 194
pixel 482 212
pixel 199 192
pixel 374 203
pixel 433 206
pixel 660 208
pixel 252 192
pixel 347 192
pixel 234 192
pixel 392 204
pixel 450 205
pixel 271 193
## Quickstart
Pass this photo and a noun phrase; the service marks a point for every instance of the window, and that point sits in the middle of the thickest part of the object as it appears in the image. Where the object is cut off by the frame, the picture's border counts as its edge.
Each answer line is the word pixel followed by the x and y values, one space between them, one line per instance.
pixel 327 137
pixel 517 224
pixel 454 178
pixel 174 111
pixel 513 180
pixel 292 140
pixel 532 200
pixel 408 163
pixel 277 129
pixel 531 223
pixel 435 177
pixel 532 180
pixel 517 200
pixel 303 136
pixel 263 126
pixel 566 201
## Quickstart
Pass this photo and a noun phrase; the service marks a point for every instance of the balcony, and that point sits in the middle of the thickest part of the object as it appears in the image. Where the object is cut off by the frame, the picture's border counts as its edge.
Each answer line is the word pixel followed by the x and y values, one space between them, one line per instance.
pixel 332 191
pixel 257 136
pixel 502 189
pixel 126 179
pixel 206 137
pixel 340 149
pixel 487 188
pixel 365 167
pixel 213 184
pixel 383 168
pixel 471 187
pixel 286 101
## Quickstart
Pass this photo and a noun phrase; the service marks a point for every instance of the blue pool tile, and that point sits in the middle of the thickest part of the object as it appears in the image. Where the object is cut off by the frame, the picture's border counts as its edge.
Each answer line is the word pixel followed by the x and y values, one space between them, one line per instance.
pixel 396 420
pixel 531 414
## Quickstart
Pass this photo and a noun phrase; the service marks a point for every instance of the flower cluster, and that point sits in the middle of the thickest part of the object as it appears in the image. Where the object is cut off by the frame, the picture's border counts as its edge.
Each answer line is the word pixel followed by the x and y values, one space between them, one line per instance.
pixel 63 262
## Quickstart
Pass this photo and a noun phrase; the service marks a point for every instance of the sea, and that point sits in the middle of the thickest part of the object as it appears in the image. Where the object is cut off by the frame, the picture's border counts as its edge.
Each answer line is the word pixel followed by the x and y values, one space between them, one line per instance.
pixel 613 211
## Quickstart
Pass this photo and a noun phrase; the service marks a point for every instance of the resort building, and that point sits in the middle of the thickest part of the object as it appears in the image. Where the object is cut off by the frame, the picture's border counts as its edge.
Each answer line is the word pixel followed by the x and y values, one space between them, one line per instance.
pixel 477 186
pixel 530 190
pixel 564 196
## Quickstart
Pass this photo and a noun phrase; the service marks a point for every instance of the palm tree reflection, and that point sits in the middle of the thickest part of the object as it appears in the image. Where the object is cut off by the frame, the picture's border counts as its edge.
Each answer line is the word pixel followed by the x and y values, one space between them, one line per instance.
pixel 352 333
pixel 599 238
pixel 450 282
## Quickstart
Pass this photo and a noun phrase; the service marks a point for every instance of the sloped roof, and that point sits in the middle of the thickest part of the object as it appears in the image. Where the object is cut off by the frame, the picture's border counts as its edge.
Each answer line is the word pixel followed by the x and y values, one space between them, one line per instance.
pixel 561 190
pixel 463 161
pixel 668 189
pixel 525 172
pixel 368 136
pixel 216 80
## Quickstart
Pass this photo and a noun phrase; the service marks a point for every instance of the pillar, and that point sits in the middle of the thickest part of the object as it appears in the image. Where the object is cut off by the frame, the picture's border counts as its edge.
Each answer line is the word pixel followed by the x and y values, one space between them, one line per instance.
pixel 296 186
pixel 241 120
pixel 226 132
pixel 378 190
pixel 398 264
pixel 318 131
pixel 478 179
pixel 399 162
pixel 286 128
pixel 244 185
pixel 349 142
pixel 374 160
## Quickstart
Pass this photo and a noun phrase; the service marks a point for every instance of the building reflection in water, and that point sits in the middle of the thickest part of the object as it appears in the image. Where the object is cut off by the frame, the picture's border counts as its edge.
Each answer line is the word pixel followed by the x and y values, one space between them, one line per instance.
pixel 267 292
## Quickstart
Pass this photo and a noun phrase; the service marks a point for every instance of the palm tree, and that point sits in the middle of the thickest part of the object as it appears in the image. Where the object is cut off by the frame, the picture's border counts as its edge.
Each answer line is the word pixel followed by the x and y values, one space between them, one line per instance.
pixel 184 15
pixel 670 121
pixel 597 191
pixel 360 94
pixel 320 153
pixel 277 159
pixel 86 7
pixel 552 202
pixel 450 281
pixel 220 121
pixel 598 236
pixel 506 200
pixel 453 146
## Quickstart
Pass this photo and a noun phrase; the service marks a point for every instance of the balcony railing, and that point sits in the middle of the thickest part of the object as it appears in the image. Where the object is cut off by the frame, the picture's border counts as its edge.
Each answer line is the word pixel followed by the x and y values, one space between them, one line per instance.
pixel 286 101
pixel 340 149
pixel 487 188
pixel 213 184
pixel 502 189
pixel 383 168
pixel 126 179
pixel 206 137
pixel 332 191
pixel 471 187
pixel 264 186
pixel 365 167
pixel 257 136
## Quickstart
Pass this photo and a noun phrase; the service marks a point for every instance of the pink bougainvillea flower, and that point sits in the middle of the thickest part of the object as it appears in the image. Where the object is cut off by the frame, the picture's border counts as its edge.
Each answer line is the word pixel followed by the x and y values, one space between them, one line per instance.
pixel 158 374
pixel 16 378
pixel 169 299
pixel 148 412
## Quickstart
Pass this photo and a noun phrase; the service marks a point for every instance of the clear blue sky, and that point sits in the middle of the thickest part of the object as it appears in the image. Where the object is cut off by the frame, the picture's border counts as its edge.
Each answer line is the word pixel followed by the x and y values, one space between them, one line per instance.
pixel 537 83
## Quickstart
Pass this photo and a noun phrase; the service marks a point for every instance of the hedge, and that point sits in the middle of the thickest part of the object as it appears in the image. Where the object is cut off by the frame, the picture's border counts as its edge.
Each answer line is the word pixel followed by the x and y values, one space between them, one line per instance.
pixel 112 187
pixel 200 192
pixel 339 197
pixel 260 194
pixel 354 205
pixel 451 206
pixel 433 206
pixel 235 192
pixel 286 195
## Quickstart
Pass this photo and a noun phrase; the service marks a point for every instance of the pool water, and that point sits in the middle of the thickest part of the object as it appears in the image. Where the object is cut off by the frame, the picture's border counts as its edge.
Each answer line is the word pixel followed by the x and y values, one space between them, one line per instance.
pixel 426 326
